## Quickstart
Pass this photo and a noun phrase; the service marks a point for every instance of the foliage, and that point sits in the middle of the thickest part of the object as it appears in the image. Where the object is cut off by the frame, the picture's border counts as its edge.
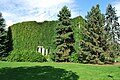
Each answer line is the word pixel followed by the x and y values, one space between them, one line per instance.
pixel 10 40
pixel 25 56
pixel 78 23
pixel 74 58
pixel 94 43
pixel 64 36
pixel 118 59
pixel 3 38
pixel 29 35
pixel 112 24
pixel 113 29
pixel 53 57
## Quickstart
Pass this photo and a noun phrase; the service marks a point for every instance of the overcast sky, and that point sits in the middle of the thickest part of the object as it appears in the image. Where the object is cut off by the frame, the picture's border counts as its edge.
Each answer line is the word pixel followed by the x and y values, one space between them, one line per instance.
pixel 39 10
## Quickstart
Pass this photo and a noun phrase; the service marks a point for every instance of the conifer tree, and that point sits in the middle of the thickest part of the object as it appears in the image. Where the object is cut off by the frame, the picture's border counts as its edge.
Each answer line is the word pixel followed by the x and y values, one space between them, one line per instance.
pixel 3 37
pixel 94 44
pixel 64 36
pixel 112 25
pixel 113 28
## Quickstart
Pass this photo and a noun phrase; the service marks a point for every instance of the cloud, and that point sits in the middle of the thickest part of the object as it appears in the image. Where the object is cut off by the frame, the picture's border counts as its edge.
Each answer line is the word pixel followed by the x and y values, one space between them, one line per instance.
pixel 9 23
pixel 38 10
pixel 116 4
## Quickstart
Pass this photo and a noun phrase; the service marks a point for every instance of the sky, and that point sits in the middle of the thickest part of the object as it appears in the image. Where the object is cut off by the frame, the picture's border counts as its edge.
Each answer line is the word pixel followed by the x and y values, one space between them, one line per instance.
pixel 15 11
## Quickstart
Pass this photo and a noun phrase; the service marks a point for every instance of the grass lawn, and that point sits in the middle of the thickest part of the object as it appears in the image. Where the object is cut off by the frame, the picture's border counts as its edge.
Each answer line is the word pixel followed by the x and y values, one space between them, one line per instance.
pixel 57 71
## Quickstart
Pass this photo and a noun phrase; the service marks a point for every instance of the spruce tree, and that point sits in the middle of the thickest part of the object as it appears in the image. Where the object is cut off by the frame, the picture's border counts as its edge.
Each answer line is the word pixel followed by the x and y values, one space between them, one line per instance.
pixel 94 45
pixel 113 28
pixel 3 37
pixel 64 36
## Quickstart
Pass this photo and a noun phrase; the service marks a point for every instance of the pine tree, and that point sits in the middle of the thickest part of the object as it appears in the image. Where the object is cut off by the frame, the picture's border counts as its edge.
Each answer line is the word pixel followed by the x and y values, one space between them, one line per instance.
pixel 64 36
pixel 94 44
pixel 112 25
pixel 113 28
pixel 3 37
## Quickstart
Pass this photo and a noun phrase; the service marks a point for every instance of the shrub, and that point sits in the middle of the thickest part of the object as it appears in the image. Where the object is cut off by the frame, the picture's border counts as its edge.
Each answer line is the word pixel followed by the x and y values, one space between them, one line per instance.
pixel 52 57
pixel 74 58
pixel 2 58
pixel 25 56
pixel 106 59
pixel 118 59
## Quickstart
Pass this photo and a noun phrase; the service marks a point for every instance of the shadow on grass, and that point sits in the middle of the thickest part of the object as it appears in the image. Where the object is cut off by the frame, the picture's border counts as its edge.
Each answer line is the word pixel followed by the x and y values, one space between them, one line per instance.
pixel 118 67
pixel 37 73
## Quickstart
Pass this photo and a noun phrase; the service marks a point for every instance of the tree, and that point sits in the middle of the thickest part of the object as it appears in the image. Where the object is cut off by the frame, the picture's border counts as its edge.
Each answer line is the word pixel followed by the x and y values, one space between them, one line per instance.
pixel 3 37
pixel 64 36
pixel 112 25
pixel 113 28
pixel 94 46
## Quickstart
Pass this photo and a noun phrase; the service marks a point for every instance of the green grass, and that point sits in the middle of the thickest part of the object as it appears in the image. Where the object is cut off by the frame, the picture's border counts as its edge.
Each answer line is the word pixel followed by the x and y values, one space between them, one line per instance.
pixel 57 71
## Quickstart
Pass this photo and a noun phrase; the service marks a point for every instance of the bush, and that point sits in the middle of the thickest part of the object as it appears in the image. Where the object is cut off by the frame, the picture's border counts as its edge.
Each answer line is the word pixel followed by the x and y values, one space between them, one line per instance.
pixel 118 59
pixel 25 56
pixel 3 58
pixel 53 57
pixel 74 58
pixel 107 59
